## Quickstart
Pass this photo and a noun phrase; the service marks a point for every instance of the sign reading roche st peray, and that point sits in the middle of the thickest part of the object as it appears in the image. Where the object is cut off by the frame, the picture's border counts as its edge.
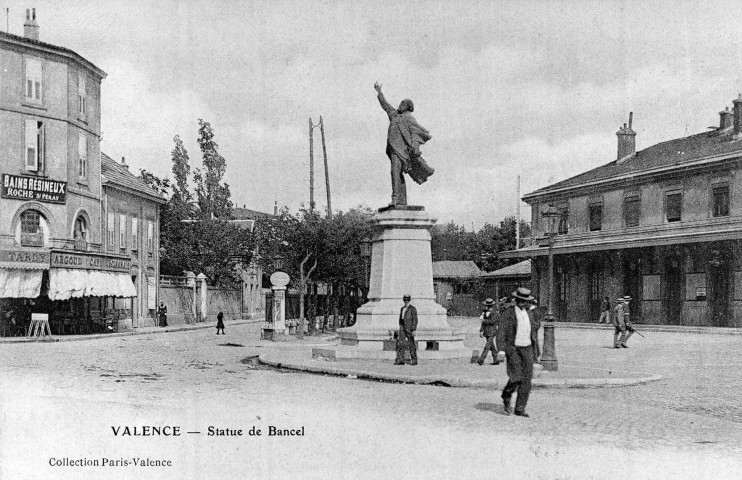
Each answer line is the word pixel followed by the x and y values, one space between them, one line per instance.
pixel 33 188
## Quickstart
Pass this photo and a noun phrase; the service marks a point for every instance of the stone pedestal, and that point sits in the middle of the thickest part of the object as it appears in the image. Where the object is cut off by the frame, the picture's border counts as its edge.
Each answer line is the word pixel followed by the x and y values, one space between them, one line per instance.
pixel 401 264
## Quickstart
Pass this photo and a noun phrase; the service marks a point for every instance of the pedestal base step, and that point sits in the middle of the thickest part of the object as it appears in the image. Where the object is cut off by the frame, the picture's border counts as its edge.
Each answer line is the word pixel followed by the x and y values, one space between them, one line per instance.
pixel 343 352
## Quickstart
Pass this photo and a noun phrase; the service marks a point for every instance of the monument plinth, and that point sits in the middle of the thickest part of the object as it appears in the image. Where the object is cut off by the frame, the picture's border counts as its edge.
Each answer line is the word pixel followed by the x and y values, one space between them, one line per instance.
pixel 401 264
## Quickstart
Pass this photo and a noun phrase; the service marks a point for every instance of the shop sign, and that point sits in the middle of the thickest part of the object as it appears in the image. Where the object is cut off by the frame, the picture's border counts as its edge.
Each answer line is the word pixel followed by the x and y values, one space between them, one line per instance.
pixel 90 261
pixel 24 259
pixel 33 188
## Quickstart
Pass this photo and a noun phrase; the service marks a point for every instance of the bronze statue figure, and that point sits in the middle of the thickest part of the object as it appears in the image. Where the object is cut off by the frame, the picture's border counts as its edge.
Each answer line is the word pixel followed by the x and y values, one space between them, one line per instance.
pixel 404 138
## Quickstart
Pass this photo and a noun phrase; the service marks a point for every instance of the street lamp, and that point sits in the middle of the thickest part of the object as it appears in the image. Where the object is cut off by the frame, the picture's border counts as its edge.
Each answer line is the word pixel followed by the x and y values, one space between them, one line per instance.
pixel 366 244
pixel 548 357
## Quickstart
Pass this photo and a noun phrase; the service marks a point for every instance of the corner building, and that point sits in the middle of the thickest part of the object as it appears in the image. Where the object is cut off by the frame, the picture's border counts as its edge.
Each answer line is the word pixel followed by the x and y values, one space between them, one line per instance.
pixel 662 225
pixel 51 255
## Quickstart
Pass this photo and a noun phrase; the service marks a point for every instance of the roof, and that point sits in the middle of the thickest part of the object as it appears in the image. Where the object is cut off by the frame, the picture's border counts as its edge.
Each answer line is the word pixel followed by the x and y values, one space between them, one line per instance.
pixel 65 52
pixel 113 173
pixel 666 154
pixel 247 214
pixel 456 269
pixel 520 269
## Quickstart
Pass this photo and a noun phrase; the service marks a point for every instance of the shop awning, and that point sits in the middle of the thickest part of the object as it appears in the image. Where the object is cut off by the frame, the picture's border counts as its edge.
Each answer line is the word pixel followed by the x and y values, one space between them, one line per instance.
pixel 68 283
pixel 20 283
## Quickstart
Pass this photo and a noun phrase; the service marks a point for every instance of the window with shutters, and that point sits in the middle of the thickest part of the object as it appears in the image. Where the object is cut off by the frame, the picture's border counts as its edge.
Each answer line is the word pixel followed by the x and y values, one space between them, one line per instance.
pixel 150 237
pixel 82 97
pixel 563 220
pixel 720 196
pixel 32 87
pixel 122 232
pixel 631 209
pixel 595 213
pixel 134 234
pixel 31 233
pixel 34 153
pixel 82 156
pixel 111 225
pixel 674 206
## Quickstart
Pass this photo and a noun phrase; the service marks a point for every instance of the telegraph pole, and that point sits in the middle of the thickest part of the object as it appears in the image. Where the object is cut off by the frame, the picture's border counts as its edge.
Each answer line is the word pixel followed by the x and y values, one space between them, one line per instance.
pixel 327 173
pixel 517 216
pixel 311 166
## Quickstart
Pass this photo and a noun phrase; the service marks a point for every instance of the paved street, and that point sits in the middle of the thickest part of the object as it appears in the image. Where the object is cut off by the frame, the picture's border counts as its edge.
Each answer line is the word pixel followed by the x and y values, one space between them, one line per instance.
pixel 60 400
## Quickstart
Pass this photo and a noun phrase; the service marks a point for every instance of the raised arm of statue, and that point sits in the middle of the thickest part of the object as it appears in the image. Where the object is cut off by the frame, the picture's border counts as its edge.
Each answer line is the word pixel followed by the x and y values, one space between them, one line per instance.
pixel 384 104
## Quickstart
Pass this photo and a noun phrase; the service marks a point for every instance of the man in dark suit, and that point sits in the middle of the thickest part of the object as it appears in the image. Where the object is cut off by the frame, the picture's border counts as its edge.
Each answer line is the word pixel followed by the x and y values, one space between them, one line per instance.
pixel 406 337
pixel 488 330
pixel 518 342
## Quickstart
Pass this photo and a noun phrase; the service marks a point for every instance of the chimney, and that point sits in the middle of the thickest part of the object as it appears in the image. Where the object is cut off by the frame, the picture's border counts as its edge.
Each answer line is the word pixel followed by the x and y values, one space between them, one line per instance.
pixel 738 116
pixel 726 119
pixel 31 28
pixel 275 208
pixel 123 163
pixel 626 140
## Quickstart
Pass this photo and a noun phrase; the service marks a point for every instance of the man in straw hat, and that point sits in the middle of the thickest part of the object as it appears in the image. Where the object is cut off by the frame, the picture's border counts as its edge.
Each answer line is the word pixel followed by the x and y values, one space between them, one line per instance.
pixel 621 322
pixel 517 338
pixel 488 330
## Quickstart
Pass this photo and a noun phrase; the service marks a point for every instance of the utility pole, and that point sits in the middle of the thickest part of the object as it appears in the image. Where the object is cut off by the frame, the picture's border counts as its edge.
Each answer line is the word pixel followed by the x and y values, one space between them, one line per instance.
pixel 327 173
pixel 517 216
pixel 311 166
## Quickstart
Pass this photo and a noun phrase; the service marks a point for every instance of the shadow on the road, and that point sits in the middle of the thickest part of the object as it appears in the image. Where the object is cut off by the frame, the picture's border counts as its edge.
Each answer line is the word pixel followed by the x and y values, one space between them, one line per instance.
pixel 490 407
pixel 230 345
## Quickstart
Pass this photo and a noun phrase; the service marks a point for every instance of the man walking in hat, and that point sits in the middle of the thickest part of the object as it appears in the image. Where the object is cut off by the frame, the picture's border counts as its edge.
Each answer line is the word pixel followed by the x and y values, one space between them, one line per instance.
pixel 488 330
pixel 622 323
pixel 406 336
pixel 517 338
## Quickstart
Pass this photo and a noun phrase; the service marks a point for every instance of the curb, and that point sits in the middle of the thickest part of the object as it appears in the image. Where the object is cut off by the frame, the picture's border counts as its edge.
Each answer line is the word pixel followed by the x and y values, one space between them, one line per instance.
pixel 97 336
pixel 447 381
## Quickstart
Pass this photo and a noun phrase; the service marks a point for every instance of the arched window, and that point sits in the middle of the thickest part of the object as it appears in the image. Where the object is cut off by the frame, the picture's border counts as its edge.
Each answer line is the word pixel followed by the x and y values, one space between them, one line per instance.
pixel 81 228
pixel 31 233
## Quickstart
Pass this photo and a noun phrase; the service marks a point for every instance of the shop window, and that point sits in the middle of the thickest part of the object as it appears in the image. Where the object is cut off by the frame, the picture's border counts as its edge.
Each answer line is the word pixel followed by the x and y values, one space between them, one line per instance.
pixel 32 234
pixel 674 206
pixel 33 80
pixel 111 225
pixel 720 196
pixel 631 210
pixel 34 146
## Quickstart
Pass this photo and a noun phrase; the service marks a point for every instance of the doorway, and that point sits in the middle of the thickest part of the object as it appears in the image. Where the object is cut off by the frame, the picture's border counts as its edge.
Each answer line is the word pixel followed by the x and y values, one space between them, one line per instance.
pixel 718 298
pixel 672 298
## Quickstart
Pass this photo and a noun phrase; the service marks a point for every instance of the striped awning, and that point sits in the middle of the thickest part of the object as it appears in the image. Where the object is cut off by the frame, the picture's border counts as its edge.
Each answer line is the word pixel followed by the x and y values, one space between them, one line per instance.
pixel 20 283
pixel 69 283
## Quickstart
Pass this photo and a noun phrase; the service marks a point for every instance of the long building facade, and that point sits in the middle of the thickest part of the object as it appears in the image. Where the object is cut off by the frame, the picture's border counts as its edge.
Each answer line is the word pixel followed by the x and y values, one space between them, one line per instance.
pixel 662 225
pixel 53 255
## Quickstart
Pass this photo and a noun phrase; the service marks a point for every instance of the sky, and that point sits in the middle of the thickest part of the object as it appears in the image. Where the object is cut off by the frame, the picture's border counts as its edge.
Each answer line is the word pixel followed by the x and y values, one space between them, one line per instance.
pixel 529 90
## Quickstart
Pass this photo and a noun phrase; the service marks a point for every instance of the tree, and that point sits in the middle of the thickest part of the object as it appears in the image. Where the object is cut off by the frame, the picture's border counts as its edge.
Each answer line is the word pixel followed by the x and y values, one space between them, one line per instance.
pixel 212 196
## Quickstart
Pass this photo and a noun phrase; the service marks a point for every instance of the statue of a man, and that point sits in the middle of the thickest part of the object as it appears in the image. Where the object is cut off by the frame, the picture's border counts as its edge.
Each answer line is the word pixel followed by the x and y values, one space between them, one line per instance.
pixel 404 138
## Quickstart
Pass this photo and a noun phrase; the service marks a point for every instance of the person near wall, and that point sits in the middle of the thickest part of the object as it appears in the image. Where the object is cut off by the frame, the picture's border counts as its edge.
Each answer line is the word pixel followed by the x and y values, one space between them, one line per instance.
pixel 488 330
pixel 605 311
pixel 406 336
pixel 220 322
pixel 162 314
pixel 517 338
pixel 622 323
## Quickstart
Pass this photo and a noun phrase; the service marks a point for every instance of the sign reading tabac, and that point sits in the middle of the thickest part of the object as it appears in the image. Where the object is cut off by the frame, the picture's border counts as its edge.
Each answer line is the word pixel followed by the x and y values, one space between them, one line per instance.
pixel 90 261
pixel 10 258
pixel 32 188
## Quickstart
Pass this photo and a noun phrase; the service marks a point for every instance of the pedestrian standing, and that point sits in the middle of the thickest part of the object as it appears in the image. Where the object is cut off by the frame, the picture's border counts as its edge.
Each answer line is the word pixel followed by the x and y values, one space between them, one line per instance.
pixel 517 338
pixel 406 336
pixel 162 314
pixel 220 322
pixel 488 330
pixel 622 323
pixel 605 311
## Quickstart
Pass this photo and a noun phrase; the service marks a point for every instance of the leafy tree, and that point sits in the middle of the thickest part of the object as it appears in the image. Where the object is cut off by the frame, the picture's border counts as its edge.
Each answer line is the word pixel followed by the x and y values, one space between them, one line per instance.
pixel 212 196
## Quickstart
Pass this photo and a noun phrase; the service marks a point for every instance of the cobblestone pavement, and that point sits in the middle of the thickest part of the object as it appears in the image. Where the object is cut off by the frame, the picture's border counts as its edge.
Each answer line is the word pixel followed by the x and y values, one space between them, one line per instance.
pixel 61 399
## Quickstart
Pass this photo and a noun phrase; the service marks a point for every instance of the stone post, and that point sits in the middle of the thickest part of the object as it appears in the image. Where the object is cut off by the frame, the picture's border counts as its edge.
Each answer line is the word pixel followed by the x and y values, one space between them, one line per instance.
pixel 191 282
pixel 201 278
pixel 276 325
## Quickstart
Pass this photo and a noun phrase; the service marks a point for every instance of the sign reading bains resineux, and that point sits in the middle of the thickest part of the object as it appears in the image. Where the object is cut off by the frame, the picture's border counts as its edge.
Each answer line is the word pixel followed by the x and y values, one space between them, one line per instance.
pixel 34 188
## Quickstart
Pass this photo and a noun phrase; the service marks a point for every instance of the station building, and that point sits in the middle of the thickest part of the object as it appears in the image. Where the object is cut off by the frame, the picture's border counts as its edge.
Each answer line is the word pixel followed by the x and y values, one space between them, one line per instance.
pixel 56 255
pixel 662 225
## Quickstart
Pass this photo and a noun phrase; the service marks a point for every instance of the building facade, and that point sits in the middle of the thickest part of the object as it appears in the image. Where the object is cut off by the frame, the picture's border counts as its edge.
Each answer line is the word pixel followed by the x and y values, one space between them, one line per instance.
pixel 662 225
pixel 53 259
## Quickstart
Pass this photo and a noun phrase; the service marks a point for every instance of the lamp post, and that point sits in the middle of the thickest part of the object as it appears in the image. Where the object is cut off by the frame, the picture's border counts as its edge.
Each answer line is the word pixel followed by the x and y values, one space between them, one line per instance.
pixel 366 244
pixel 548 357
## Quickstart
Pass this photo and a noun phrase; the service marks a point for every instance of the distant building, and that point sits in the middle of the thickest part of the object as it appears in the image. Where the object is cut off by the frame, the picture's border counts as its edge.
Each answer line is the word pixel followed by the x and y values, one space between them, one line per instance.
pixel 501 283
pixel 663 225
pixel 454 284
